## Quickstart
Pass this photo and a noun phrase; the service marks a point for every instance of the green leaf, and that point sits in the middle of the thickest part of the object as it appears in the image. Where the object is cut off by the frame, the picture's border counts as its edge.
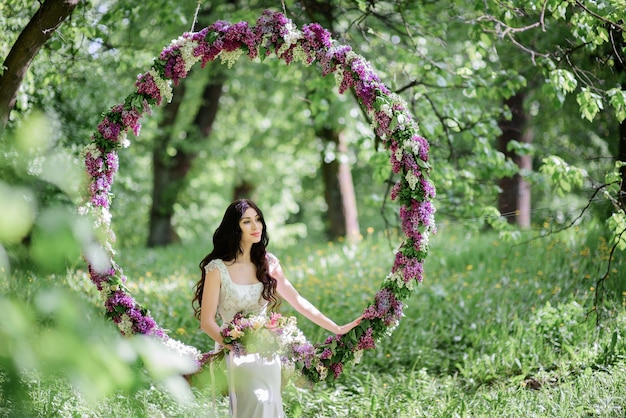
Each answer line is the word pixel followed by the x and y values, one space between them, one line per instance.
pixel 590 103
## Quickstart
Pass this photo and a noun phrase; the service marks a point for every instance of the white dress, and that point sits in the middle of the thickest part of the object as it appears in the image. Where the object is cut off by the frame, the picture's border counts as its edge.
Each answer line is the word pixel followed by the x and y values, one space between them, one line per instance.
pixel 254 383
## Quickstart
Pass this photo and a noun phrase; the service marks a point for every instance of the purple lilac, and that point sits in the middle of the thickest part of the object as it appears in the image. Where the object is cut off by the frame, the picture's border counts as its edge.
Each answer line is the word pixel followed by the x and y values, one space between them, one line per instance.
pixel 386 307
pixel 366 83
pixel 174 68
pixel 367 340
pixel 145 85
pixel 395 190
pixel 95 166
pixel 237 35
pixel 423 147
pixel 316 40
pixel 337 369
pixel 384 120
pixel 326 354
pixel 304 353
pixel 119 298
pixel 272 24
pixel 412 268
pixel 109 129
pixel 427 187
pixel 332 57
pixel 396 165
pixel 129 118
pixel 99 278
pixel 425 212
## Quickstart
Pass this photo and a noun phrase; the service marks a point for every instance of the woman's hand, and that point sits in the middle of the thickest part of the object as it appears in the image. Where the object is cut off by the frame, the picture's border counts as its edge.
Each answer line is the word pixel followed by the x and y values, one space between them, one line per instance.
pixel 344 329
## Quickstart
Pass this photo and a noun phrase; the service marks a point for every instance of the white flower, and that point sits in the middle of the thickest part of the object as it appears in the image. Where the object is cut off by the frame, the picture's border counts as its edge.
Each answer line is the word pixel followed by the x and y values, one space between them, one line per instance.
pixel 322 370
pixel 186 52
pixel 398 154
pixel 84 209
pixel 164 86
pixel 123 139
pixel 398 279
pixel 411 179
pixel 230 57
pixel 299 55
pixel 125 325
pixel 412 146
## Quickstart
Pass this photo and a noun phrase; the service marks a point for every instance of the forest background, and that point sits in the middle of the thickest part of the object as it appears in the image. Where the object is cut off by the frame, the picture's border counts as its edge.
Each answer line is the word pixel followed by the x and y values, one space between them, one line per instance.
pixel 523 104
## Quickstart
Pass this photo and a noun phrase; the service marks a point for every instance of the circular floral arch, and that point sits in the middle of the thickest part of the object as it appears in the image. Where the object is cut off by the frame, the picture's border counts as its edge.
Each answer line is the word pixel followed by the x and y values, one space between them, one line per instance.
pixel 277 36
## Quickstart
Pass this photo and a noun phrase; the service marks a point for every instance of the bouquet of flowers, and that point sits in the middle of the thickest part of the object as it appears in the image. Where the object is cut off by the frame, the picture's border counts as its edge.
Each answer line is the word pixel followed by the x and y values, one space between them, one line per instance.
pixel 248 334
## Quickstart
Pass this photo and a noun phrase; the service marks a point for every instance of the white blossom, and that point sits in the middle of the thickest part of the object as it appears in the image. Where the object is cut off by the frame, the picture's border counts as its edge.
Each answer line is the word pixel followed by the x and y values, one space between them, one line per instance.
pixel 186 52
pixel 230 57
pixel 412 180
pixel 164 86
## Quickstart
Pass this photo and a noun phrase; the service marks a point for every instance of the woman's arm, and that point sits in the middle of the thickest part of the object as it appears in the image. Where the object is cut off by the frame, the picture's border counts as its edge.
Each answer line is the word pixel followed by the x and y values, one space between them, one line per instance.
pixel 210 299
pixel 290 294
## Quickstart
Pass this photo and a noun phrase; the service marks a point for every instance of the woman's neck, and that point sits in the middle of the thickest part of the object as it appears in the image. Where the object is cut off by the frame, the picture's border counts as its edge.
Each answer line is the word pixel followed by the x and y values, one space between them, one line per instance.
pixel 244 256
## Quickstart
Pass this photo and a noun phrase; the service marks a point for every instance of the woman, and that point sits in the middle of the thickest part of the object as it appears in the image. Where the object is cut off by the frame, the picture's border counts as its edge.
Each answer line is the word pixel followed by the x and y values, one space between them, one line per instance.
pixel 239 275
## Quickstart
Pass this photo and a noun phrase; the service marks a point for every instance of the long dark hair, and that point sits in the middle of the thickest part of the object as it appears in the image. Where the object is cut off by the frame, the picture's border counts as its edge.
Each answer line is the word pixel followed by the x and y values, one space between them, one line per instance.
pixel 226 247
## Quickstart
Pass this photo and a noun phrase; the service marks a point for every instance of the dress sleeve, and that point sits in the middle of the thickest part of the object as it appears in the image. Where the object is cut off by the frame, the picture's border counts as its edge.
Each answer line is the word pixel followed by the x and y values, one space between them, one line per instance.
pixel 211 266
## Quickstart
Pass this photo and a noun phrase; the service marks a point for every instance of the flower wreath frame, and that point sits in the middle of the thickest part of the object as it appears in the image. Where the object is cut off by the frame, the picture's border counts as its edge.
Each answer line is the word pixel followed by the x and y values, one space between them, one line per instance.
pixel 273 35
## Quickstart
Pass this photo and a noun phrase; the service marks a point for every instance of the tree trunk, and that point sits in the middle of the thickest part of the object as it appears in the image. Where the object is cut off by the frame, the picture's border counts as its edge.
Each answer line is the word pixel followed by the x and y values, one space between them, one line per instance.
pixel 170 172
pixel 514 200
pixel 339 190
pixel 46 20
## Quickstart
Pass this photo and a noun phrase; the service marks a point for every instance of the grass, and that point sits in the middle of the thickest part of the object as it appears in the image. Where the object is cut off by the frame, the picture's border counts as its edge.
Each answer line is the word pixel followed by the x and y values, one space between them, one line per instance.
pixel 496 329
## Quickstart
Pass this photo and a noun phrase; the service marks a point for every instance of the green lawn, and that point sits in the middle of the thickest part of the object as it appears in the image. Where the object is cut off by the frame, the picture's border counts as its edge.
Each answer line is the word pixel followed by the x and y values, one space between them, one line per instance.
pixel 496 330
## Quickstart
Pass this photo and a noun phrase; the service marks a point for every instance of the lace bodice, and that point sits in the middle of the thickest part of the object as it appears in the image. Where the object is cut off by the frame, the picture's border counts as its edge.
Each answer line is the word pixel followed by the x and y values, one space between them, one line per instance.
pixel 236 297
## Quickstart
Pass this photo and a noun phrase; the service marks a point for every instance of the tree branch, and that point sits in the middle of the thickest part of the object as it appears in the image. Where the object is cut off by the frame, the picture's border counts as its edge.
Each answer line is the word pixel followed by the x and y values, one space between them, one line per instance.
pixel 43 24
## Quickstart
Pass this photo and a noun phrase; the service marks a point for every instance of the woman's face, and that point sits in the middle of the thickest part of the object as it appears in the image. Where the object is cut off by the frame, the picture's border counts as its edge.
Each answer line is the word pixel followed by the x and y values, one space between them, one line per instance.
pixel 251 227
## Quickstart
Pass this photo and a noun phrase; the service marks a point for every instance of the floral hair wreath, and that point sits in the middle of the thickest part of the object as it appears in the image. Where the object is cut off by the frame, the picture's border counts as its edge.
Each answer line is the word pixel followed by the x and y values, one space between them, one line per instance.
pixel 273 34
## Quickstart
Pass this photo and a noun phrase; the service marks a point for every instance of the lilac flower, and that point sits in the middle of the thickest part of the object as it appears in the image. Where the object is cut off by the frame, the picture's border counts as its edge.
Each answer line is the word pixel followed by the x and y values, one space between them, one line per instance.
pixel 386 307
pixel 337 369
pixel 94 166
pixel 112 162
pixel 395 190
pixel 99 278
pixel 396 164
pixel 423 147
pixel 129 118
pixel 197 36
pixel 347 81
pixel 383 121
pixel 367 340
pixel 175 68
pixel 332 57
pixel 109 130
pixel 326 354
pixel 427 187
pixel 304 353
pixel 146 85
pixel 412 268
pixel 271 25
pixel 316 40
pixel 119 298
pixel 100 200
